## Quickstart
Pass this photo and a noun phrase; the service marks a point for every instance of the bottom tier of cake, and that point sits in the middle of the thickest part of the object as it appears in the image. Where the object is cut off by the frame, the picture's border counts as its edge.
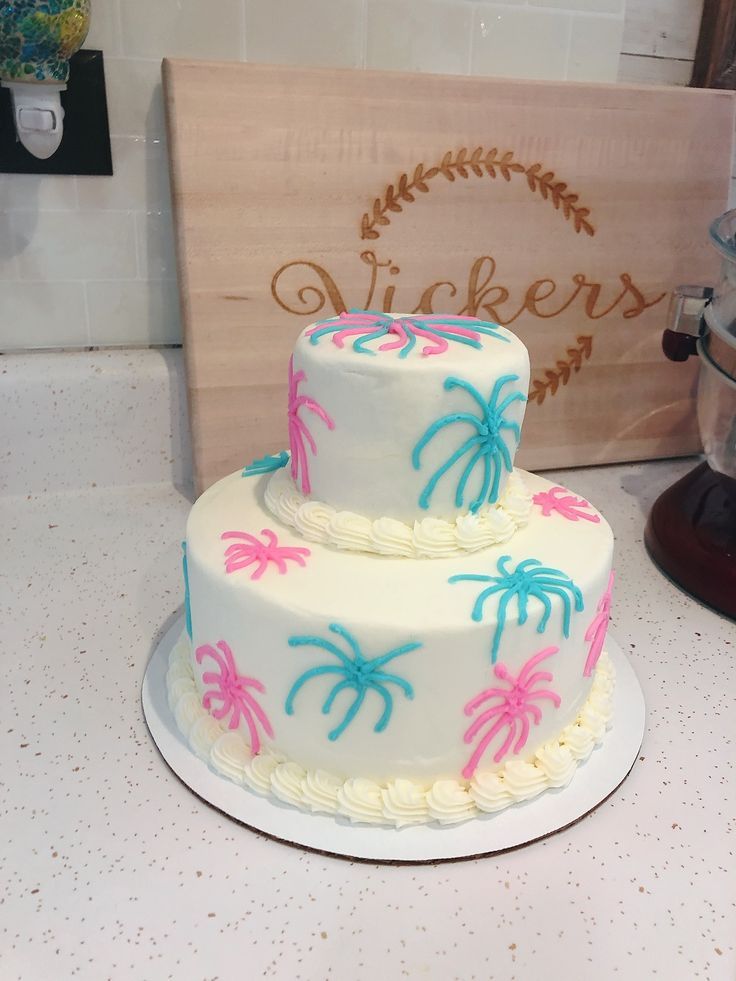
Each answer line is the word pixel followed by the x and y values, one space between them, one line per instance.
pixel 400 802
pixel 403 672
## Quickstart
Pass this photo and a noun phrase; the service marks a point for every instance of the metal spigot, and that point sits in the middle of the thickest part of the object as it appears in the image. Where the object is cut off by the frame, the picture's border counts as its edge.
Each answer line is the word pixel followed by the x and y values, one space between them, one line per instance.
pixel 685 321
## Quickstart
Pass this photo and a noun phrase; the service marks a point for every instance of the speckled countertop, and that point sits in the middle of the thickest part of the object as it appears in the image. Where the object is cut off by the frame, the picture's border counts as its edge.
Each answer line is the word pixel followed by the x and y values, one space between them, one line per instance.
pixel 111 868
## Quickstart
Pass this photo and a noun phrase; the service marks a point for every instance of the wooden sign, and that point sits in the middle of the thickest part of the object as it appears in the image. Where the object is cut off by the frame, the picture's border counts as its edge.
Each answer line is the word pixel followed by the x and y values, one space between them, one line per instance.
pixel 564 211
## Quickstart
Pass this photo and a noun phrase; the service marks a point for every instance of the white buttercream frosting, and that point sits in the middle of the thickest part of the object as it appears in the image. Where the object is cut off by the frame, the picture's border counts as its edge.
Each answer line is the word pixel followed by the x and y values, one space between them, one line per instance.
pixel 524 779
pixel 579 740
pixel 373 460
pixel 179 682
pixel 286 782
pixel 230 755
pixel 187 709
pixel 177 671
pixel 203 735
pixel 449 802
pixel 557 762
pixel 404 802
pixel 428 538
pixel 360 800
pixel 257 774
pixel 180 687
pixel 320 791
pixel 490 793
pixel 398 802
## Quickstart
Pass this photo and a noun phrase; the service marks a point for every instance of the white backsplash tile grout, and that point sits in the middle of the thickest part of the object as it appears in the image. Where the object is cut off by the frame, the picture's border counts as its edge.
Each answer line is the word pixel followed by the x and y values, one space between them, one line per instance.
pixel 602 14
pixel 241 29
pixel 119 17
pixel 364 32
pixel 569 47
pixel 87 320
pixel 138 249
pixel 30 281
pixel 469 59
pixel 243 32
pixel 73 197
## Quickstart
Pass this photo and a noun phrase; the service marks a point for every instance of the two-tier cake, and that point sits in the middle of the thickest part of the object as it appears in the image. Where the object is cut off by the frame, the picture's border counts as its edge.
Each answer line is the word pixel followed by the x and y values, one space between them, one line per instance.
pixel 389 622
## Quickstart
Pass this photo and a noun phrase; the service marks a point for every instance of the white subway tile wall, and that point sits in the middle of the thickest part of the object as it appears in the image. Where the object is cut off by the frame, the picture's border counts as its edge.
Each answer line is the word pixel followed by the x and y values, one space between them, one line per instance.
pixel 406 36
pixel 134 100
pixel 90 260
pixel 133 312
pixel 105 32
pixel 328 33
pixel 589 51
pixel 182 28
pixel 43 315
pixel 498 48
pixel 61 246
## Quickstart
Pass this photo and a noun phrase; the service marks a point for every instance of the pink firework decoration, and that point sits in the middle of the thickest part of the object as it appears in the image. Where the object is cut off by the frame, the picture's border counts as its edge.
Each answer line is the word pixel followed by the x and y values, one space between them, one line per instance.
pixel 231 690
pixel 403 332
pixel 298 429
pixel 563 502
pixel 513 708
pixel 596 632
pixel 248 550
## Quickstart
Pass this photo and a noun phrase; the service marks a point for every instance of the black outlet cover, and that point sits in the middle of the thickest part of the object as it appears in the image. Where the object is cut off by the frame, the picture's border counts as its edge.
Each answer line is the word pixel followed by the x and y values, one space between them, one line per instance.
pixel 85 145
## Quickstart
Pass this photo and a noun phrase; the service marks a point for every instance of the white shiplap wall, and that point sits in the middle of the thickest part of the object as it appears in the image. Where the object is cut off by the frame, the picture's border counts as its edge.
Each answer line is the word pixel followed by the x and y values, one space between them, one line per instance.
pixel 659 41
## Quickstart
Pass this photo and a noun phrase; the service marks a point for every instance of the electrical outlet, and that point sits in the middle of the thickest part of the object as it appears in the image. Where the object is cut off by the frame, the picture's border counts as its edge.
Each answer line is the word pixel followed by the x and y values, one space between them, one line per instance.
pixel 85 145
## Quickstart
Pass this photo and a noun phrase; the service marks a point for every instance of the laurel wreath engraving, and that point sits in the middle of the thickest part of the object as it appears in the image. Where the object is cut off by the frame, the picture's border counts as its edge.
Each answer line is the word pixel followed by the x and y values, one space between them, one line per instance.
pixel 554 378
pixel 490 162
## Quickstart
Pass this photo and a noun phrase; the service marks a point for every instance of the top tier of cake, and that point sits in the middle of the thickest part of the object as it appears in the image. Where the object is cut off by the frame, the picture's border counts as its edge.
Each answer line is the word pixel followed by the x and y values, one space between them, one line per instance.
pixel 405 416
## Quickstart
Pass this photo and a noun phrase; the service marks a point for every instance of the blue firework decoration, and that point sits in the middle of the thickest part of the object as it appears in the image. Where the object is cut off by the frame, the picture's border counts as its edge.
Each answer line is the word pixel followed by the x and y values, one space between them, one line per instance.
pixel 187 601
pixel 355 672
pixel 485 447
pixel 529 579
pixel 266 464
pixel 402 333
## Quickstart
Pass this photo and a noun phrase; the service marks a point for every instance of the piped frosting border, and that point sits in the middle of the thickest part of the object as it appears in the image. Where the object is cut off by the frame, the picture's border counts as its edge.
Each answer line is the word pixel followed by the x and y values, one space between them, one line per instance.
pixel 428 538
pixel 399 802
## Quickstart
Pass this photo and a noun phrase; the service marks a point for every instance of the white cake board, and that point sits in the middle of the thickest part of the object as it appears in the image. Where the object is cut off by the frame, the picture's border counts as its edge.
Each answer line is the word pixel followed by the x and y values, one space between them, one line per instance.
pixel 595 780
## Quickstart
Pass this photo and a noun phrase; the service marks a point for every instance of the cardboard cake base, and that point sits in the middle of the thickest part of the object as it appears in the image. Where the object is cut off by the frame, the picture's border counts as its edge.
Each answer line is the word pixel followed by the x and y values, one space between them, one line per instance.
pixel 594 781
